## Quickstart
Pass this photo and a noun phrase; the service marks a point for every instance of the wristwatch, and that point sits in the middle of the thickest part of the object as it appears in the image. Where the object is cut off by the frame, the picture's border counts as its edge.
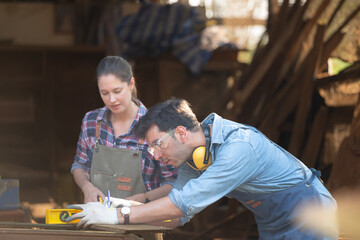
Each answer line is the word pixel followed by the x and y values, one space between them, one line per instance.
pixel 125 211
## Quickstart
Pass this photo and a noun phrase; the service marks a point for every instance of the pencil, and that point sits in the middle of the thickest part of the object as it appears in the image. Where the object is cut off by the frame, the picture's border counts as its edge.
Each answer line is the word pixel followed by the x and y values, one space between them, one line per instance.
pixel 108 198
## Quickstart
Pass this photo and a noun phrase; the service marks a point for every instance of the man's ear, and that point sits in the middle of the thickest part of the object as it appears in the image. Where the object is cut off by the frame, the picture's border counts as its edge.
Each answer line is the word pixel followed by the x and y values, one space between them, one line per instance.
pixel 181 132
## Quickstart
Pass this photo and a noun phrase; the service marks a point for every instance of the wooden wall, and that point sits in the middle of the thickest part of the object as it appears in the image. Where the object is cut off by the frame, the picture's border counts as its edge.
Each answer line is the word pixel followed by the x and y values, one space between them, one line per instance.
pixel 32 23
pixel 44 94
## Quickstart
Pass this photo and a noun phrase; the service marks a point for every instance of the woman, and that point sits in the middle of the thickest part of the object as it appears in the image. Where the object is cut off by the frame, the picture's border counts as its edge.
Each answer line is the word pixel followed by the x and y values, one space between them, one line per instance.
pixel 109 156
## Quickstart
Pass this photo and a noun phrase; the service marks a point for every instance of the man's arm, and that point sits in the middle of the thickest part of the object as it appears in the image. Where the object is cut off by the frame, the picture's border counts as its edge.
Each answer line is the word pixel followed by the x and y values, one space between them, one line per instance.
pixel 159 212
pixel 155 212
pixel 152 195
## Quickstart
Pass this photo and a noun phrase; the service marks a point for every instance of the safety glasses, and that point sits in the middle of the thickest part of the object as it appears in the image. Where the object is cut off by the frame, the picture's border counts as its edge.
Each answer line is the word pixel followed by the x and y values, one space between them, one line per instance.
pixel 162 142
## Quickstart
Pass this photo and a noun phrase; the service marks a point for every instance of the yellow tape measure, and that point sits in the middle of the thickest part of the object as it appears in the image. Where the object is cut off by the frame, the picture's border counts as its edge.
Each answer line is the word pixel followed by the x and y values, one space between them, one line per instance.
pixel 58 216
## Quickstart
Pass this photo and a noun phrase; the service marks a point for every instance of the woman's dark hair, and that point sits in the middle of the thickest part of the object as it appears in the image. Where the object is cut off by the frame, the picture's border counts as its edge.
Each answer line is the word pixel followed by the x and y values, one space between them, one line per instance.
pixel 117 66
pixel 167 115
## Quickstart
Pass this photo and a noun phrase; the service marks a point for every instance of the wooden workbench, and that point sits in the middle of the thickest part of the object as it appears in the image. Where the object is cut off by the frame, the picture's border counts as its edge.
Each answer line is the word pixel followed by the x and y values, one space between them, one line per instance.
pixel 17 231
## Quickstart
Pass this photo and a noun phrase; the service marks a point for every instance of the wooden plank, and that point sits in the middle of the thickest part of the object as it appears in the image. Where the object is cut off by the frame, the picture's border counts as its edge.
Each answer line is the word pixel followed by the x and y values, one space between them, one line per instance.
pixel 15 231
pixel 347 20
pixel 302 33
pixel 341 77
pixel 329 46
pixel 48 234
pixel 345 170
pixel 282 105
pixel 17 215
pixel 235 22
pixel 255 107
pixel 129 228
pixel 255 79
pixel 293 9
pixel 37 225
pixel 316 136
pixel 283 102
pixel 277 19
pixel 336 10
pixel 299 126
pixel 148 232
pixel 335 39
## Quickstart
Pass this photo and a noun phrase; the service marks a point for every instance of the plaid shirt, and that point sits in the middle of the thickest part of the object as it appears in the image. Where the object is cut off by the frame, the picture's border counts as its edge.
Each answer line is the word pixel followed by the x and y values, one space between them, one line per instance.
pixel 155 173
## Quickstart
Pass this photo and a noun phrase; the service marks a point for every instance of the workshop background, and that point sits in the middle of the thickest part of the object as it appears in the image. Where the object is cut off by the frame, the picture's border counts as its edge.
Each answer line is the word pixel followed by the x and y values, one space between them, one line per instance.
pixel 289 68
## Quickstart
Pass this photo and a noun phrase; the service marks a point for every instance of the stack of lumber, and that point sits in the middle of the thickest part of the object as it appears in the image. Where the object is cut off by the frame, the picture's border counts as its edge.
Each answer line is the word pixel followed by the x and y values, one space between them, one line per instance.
pixel 346 168
pixel 277 92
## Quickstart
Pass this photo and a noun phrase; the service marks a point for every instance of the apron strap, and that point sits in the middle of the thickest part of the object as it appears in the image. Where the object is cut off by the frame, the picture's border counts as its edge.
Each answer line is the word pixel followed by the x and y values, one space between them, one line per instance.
pixel 97 133
pixel 139 143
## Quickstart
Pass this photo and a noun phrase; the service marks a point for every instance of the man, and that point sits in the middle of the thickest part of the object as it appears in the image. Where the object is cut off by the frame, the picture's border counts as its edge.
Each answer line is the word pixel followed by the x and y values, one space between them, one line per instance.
pixel 238 162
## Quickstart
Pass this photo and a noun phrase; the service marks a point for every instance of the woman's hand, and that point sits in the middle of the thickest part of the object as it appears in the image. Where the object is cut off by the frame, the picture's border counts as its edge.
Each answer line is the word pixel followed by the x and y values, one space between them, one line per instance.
pixel 91 193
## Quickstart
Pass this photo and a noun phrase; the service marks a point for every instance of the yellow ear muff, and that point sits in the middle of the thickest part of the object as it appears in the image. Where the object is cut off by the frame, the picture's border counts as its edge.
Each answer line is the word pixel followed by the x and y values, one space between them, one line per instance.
pixel 198 156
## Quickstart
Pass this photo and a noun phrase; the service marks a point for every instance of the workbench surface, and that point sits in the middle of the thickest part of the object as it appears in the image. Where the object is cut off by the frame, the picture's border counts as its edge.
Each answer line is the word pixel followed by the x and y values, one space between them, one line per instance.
pixel 17 231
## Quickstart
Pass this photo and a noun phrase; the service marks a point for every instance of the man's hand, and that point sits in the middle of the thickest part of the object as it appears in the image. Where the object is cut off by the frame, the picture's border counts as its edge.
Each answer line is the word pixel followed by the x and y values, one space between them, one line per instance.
pixel 93 213
pixel 119 202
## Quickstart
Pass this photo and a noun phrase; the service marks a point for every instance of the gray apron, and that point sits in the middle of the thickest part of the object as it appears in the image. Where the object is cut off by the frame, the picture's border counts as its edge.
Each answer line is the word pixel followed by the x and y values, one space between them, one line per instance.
pixel 117 170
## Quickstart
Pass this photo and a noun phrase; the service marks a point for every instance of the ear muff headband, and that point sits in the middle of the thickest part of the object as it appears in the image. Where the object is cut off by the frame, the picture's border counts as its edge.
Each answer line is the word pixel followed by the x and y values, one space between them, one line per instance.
pixel 201 157
pixel 206 130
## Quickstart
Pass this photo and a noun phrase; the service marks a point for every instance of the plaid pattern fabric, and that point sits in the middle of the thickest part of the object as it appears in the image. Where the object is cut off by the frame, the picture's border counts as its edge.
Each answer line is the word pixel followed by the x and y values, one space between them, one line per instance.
pixel 155 173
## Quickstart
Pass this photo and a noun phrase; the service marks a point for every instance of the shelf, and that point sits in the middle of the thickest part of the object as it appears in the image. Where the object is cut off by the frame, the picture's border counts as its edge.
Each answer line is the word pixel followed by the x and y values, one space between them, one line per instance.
pixel 61 49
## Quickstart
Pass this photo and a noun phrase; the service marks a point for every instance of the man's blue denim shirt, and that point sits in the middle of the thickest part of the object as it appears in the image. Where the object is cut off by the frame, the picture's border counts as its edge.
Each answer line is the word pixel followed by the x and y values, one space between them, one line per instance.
pixel 246 161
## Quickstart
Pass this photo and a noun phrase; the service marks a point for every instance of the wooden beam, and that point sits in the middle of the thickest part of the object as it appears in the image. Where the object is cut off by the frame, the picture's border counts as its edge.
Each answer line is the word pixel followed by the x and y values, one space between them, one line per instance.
pixel 303 109
pixel 31 231
pixel 316 136
pixel 348 19
pixel 341 77
pixel 334 40
pixel 235 22
pixel 339 5
pixel 329 46
pixel 302 34
pixel 254 80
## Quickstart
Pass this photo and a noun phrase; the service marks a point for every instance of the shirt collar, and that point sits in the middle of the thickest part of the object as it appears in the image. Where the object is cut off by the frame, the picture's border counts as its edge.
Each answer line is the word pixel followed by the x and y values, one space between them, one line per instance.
pixel 103 115
pixel 217 125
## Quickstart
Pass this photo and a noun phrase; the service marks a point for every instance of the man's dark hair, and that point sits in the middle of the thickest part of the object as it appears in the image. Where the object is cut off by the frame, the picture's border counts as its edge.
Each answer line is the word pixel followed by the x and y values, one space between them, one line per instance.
pixel 167 115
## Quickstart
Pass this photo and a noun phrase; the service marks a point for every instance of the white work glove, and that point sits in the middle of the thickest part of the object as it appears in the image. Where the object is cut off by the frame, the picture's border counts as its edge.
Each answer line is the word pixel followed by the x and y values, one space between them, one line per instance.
pixel 119 202
pixel 93 213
